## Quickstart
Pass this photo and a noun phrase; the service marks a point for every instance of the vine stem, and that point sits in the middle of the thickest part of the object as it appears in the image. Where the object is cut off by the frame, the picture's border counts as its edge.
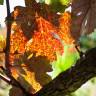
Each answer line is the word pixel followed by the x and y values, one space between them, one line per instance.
pixel 7 52
pixel 7 49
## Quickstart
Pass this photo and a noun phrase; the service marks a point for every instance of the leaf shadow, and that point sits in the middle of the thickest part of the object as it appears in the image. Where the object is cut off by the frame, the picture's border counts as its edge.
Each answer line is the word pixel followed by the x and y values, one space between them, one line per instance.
pixel 32 73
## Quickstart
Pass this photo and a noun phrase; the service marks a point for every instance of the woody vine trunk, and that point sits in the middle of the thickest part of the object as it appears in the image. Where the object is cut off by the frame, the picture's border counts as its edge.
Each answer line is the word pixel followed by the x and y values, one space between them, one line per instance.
pixel 72 79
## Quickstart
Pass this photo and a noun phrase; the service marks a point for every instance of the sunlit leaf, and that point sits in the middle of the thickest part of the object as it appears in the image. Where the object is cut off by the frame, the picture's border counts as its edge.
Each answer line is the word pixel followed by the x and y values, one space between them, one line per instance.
pixel 2 43
pixel 64 28
pixel 38 34
pixel 41 45
pixel 65 2
pixel 65 61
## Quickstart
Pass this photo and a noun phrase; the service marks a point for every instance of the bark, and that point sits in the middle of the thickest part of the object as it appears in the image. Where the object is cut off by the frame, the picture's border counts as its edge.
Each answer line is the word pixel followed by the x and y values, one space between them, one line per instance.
pixel 72 79
pixel 7 49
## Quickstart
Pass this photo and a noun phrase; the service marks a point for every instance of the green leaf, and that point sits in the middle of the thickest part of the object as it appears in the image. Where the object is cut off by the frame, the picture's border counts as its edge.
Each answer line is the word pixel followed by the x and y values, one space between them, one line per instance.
pixel 65 2
pixel 64 61
pixel 1 2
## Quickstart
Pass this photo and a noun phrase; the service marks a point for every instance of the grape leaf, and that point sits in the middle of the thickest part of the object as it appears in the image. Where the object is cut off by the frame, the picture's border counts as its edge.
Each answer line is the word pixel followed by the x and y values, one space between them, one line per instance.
pixel 83 17
pixel 34 24
pixel 64 61
pixel 1 2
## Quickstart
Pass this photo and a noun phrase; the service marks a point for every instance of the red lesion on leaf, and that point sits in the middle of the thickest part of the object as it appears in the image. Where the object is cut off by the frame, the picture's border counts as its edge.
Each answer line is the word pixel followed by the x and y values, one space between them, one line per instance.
pixel 43 42
pixel 64 28
pixel 17 40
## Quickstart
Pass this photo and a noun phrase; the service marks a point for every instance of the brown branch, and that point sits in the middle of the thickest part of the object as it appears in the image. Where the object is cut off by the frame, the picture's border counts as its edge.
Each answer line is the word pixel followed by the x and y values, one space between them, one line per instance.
pixel 7 49
pixel 7 80
pixel 72 79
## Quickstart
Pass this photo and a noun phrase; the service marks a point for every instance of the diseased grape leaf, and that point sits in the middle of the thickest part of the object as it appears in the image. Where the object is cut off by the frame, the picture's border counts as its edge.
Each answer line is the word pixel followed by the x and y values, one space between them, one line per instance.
pixel 83 17
pixel 23 26
pixel 25 19
pixel 32 25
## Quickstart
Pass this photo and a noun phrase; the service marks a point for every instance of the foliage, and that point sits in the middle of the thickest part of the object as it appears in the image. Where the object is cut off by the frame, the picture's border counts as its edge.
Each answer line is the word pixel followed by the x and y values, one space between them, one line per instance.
pixel 39 43
pixel 65 61
pixel 1 2
pixel 47 40
pixel 63 2
pixel 37 51
pixel 2 42
pixel 58 5
pixel 4 87
pixel 88 41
